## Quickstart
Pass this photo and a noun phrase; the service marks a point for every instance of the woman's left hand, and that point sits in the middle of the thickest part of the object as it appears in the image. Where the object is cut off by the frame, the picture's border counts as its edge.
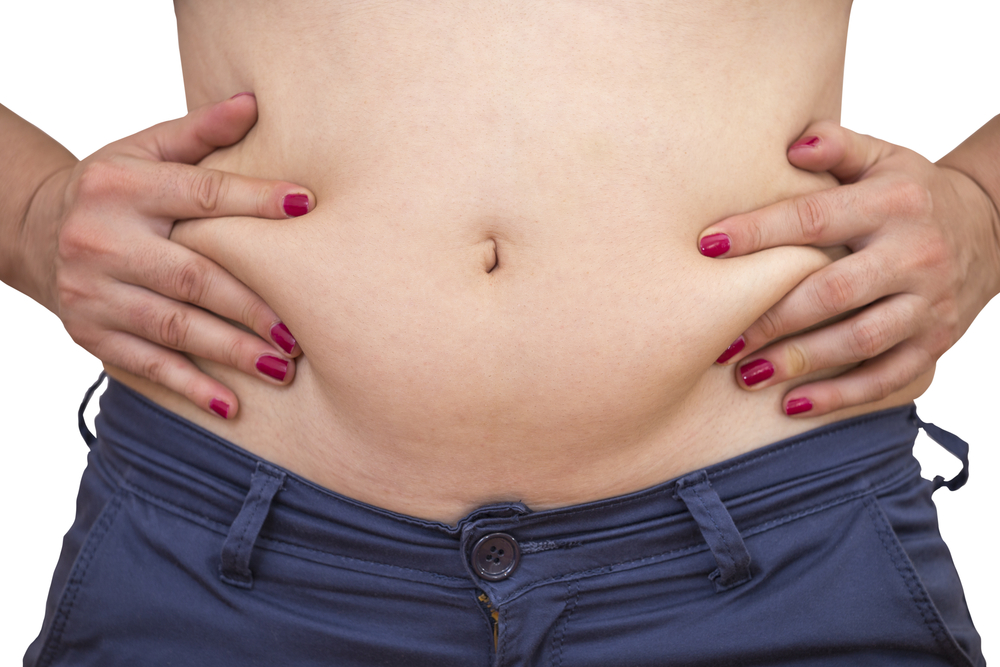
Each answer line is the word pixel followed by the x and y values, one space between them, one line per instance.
pixel 924 261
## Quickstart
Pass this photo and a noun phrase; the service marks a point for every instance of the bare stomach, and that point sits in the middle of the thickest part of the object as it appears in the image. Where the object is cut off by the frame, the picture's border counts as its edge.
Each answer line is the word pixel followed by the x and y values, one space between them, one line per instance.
pixel 499 294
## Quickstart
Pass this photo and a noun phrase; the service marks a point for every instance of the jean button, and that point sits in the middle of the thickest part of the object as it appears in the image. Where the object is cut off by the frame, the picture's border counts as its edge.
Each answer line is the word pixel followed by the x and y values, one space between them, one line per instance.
pixel 495 556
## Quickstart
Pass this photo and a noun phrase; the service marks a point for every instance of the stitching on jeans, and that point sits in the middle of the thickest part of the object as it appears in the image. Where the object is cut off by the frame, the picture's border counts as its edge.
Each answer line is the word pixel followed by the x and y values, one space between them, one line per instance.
pixel 223 529
pixel 722 535
pixel 675 553
pixel 503 614
pixel 572 588
pixel 240 568
pixel 76 576
pixel 910 578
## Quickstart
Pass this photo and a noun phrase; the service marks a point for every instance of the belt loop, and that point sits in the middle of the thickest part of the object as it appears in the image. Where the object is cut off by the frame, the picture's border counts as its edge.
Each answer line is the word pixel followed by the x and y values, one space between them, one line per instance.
pixel 235 566
pixel 88 437
pixel 718 529
pixel 956 446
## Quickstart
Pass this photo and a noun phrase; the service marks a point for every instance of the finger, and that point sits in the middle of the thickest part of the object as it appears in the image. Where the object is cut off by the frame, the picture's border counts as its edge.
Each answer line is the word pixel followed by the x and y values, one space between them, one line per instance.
pixel 872 381
pixel 838 216
pixel 180 274
pixel 845 285
pixel 179 191
pixel 864 336
pixel 169 369
pixel 826 146
pixel 201 131
pixel 193 331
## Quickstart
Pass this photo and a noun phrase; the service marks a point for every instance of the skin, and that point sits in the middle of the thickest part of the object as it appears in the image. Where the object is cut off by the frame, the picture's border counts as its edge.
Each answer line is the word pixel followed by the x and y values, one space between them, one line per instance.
pixel 355 426
pixel 925 261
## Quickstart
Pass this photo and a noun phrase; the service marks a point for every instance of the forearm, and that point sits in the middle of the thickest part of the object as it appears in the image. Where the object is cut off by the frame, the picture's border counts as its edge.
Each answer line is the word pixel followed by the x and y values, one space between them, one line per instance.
pixel 978 157
pixel 29 158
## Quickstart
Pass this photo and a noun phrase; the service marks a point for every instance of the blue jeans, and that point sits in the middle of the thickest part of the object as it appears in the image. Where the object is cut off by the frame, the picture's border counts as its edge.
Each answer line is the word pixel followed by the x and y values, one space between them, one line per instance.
pixel 818 550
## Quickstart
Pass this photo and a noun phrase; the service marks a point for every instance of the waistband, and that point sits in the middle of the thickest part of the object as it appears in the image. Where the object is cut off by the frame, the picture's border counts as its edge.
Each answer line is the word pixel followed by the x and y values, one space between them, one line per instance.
pixel 185 469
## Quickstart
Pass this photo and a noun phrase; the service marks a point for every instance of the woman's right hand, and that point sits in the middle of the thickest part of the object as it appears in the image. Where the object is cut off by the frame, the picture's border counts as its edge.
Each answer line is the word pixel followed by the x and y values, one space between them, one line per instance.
pixel 98 233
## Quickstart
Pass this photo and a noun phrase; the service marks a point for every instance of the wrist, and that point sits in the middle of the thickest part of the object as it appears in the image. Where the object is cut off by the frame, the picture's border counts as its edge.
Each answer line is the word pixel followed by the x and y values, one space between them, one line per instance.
pixel 36 240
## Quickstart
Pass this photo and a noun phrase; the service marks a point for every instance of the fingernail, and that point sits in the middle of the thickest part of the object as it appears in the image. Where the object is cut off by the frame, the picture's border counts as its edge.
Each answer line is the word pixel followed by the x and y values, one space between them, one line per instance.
pixel 242 94
pixel 220 408
pixel 797 405
pixel 732 350
pixel 756 371
pixel 272 367
pixel 295 205
pixel 811 142
pixel 283 337
pixel 714 245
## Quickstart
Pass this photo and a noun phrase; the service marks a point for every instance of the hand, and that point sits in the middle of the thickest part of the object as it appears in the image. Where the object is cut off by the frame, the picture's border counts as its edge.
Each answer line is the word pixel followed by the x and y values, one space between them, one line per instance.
pixel 924 262
pixel 133 298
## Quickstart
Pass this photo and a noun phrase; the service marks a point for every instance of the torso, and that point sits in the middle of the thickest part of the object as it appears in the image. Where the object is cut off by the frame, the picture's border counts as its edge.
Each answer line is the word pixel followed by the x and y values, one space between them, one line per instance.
pixel 499 294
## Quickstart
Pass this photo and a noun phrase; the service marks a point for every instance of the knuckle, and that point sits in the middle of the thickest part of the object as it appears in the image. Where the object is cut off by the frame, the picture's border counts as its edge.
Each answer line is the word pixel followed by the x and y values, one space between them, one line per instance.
pixel 911 199
pixel 263 205
pixel 98 178
pixel 868 338
pixel 70 294
pixel 153 368
pixel 189 280
pixel 878 387
pixel 175 328
pixel 753 230
pixel 769 325
pixel 796 360
pixel 234 351
pixel 207 190
pixel 78 240
pixel 812 216
pixel 256 314
pixel 834 294
pixel 931 253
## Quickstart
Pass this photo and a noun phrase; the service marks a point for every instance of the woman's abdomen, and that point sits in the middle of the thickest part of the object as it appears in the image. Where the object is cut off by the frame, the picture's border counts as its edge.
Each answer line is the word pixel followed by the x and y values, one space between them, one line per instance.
pixel 499 294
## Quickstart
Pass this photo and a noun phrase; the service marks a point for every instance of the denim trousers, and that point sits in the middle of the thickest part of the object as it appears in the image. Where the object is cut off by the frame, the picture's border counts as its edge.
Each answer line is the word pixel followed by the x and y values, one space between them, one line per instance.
pixel 822 549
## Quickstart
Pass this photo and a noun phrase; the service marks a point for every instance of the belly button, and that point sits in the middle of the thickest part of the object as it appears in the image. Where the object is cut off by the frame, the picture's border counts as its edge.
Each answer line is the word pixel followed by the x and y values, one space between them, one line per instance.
pixel 491 256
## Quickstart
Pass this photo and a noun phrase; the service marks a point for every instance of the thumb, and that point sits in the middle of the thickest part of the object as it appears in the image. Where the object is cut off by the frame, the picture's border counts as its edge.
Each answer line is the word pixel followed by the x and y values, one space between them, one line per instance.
pixel 826 146
pixel 201 131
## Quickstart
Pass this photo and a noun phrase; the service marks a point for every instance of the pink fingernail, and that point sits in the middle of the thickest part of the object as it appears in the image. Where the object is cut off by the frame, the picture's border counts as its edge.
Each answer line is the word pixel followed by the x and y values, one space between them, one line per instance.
pixel 242 94
pixel 732 350
pixel 714 245
pixel 220 408
pixel 272 367
pixel 797 405
pixel 811 142
pixel 283 337
pixel 756 371
pixel 295 205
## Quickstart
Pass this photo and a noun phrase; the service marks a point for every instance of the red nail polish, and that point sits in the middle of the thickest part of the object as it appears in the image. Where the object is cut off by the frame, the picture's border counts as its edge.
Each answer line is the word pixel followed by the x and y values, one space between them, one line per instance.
pixel 811 142
pixel 283 337
pixel 295 205
pixel 756 371
pixel 272 366
pixel 242 94
pixel 732 350
pixel 714 245
pixel 220 408
pixel 797 405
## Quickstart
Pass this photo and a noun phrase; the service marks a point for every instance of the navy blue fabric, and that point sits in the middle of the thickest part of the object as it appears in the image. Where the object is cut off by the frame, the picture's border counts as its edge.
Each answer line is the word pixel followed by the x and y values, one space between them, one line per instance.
pixel 846 565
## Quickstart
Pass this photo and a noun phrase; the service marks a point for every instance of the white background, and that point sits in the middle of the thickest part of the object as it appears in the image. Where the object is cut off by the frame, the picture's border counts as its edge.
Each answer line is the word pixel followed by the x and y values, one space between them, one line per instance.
pixel 923 74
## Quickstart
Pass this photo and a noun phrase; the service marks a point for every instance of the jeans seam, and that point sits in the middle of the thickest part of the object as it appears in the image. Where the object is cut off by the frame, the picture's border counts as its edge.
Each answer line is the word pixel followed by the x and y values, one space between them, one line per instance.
pixel 76 577
pixel 572 589
pixel 911 580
